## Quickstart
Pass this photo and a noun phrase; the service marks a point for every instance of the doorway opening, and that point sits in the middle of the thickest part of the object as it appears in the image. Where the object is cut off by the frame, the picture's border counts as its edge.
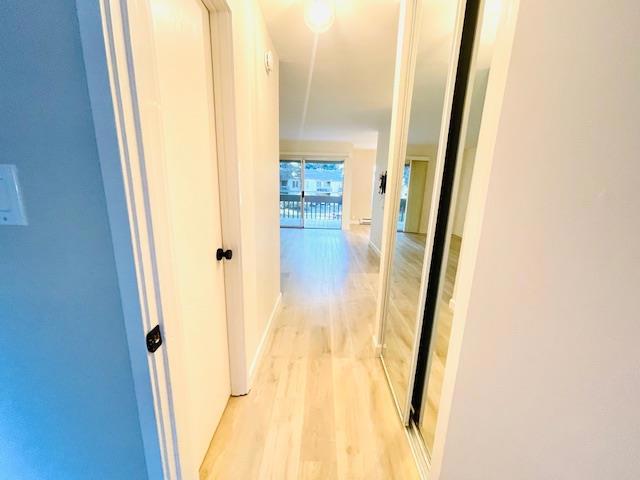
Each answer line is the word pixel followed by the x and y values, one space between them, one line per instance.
pixel 311 193
pixel 404 195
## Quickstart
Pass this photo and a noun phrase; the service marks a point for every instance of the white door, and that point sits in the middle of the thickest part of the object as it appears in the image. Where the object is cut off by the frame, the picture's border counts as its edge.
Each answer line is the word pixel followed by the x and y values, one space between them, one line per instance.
pixel 197 345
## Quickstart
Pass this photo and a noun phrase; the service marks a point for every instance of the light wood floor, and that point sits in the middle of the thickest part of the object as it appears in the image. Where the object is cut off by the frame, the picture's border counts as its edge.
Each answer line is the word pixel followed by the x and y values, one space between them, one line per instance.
pixel 400 322
pixel 320 406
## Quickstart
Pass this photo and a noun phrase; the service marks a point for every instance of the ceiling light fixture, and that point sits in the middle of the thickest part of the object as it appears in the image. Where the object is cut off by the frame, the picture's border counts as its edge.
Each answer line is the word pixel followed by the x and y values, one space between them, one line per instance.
pixel 319 15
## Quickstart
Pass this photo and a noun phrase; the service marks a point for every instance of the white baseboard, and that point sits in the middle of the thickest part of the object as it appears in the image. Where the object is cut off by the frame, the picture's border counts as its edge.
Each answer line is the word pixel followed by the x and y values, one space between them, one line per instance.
pixel 257 358
pixel 374 248
pixel 377 348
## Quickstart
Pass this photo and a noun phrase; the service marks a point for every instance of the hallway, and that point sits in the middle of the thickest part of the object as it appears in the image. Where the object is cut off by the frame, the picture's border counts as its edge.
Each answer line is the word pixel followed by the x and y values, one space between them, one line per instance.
pixel 320 406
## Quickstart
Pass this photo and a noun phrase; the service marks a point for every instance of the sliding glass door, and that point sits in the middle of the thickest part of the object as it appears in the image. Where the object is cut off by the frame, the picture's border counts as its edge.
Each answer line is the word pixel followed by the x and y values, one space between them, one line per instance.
pixel 291 185
pixel 311 193
pixel 323 187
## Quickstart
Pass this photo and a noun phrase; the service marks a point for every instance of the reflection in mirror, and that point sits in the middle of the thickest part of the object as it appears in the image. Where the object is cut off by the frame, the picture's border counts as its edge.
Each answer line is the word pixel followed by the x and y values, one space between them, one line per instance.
pixel 404 194
pixel 466 159
pixel 402 308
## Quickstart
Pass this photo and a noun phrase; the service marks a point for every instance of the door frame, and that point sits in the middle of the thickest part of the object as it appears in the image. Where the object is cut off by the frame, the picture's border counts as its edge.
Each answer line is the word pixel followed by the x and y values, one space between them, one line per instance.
pixel 114 76
pixel 412 159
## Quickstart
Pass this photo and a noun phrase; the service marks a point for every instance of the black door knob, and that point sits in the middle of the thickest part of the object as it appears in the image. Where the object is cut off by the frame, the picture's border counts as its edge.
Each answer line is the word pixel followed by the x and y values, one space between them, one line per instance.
pixel 221 253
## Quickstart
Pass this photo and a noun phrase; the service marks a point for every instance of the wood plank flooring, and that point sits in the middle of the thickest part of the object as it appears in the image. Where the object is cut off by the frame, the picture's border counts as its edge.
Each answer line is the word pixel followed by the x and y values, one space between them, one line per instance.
pixel 402 306
pixel 320 406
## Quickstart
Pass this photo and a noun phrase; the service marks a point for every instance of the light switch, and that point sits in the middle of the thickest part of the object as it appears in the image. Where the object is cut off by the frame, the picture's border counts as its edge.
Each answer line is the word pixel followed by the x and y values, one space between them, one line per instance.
pixel 11 206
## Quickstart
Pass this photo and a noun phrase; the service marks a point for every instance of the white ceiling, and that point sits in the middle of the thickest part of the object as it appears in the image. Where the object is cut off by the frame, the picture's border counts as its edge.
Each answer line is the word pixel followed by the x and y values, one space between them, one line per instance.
pixel 351 84
pixel 352 80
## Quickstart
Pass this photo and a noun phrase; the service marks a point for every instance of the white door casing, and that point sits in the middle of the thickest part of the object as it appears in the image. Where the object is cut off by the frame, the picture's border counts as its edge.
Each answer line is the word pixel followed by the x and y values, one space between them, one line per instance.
pixel 187 197
pixel 119 53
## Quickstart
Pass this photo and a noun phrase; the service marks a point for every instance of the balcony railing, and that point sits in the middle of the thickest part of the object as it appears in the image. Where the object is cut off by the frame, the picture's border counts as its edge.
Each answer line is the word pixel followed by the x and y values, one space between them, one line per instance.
pixel 320 211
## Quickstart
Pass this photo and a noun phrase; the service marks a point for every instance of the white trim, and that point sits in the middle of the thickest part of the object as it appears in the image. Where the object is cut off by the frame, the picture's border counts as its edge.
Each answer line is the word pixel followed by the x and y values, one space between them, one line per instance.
pixel 106 63
pixel 264 341
pixel 377 348
pixel 377 251
pixel 107 31
pixel 419 450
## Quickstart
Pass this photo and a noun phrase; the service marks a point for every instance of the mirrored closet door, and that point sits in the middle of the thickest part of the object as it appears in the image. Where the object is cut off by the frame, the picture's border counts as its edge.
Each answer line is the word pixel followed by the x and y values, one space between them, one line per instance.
pixel 420 304
pixel 403 306
pixel 449 235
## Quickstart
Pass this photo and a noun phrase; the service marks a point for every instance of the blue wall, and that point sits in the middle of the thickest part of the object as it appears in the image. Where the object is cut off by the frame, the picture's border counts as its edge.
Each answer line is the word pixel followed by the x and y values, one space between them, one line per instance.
pixel 67 402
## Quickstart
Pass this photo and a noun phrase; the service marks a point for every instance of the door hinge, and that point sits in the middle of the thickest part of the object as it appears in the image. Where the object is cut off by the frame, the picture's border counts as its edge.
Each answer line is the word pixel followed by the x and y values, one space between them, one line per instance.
pixel 154 339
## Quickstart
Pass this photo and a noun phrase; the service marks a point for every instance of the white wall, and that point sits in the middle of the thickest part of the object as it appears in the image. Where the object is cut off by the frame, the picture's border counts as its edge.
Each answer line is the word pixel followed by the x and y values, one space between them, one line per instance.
pixel 377 200
pixel 258 156
pixel 68 406
pixel 548 379
pixel 362 169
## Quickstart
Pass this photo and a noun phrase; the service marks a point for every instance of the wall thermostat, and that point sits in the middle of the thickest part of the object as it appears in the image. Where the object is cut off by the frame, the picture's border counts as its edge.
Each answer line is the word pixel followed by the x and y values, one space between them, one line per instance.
pixel 268 61
pixel 11 206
